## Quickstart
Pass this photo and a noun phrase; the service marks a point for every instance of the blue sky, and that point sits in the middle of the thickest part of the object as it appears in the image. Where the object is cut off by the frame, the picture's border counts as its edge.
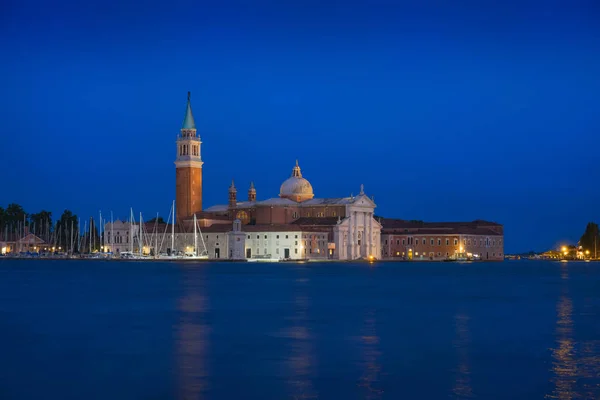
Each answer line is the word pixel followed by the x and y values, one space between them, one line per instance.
pixel 443 110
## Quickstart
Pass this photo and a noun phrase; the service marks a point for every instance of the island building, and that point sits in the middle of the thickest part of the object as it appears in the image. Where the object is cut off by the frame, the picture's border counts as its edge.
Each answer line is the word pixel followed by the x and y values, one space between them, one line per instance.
pixel 418 240
pixel 295 225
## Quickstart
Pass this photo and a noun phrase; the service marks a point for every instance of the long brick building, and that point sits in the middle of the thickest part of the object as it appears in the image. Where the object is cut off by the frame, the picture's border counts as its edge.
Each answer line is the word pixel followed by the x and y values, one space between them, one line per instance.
pixel 418 240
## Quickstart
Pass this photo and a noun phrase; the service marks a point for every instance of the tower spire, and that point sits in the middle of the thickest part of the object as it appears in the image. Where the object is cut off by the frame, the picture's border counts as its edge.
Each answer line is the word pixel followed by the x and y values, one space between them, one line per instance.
pixel 252 192
pixel 296 171
pixel 188 121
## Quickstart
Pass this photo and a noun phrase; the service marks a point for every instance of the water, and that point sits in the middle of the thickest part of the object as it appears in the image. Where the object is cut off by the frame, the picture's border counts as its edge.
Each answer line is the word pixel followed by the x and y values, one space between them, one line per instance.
pixel 109 330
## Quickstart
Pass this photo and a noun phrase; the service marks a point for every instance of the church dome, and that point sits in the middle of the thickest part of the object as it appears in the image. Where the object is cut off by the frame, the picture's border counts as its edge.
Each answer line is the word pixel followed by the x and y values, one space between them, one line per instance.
pixel 296 188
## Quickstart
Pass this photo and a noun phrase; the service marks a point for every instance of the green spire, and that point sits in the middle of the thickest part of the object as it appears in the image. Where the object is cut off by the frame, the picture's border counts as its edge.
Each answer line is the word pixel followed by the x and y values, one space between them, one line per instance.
pixel 188 122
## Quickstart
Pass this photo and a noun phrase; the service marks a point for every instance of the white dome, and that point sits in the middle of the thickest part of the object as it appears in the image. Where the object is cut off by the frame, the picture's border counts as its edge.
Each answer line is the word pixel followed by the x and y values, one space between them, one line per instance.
pixel 296 187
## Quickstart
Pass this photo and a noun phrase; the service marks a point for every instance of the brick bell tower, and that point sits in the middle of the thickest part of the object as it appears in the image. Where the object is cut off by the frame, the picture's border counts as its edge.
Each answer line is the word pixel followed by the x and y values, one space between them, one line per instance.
pixel 188 169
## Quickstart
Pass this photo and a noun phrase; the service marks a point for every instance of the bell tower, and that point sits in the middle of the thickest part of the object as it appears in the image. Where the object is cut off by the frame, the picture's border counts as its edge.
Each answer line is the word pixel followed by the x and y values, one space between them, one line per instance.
pixel 188 168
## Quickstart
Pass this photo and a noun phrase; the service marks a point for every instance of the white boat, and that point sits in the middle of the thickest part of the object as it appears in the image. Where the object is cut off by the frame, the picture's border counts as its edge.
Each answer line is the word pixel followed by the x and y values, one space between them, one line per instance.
pixel 197 254
pixel 265 258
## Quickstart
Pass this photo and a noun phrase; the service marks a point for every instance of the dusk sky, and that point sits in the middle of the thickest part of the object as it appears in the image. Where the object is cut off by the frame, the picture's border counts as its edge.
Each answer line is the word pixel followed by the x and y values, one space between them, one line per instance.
pixel 444 110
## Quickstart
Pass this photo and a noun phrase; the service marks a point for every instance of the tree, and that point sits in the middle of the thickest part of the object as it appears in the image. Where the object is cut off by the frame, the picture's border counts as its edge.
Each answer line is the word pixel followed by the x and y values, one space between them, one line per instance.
pixel 159 220
pixel 589 239
pixel 42 223
pixel 15 214
pixel 67 222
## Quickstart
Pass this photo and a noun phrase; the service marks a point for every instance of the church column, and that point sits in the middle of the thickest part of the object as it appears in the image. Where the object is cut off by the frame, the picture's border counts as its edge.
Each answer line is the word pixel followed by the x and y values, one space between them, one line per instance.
pixel 370 216
pixel 355 237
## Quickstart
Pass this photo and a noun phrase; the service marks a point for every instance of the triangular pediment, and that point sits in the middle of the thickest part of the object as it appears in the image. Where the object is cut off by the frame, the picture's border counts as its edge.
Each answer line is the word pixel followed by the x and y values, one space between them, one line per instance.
pixel 363 200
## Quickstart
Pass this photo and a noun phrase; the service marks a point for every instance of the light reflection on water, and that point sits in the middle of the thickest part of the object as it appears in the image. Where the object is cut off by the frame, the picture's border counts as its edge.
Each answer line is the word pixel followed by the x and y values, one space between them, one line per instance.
pixel 462 386
pixel 192 339
pixel 301 360
pixel 370 379
pixel 574 364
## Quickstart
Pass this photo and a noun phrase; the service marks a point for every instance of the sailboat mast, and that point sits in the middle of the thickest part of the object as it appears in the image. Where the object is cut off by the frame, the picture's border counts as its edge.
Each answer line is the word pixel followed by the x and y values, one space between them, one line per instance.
pixel 91 235
pixel 112 233
pixel 195 237
pixel 173 229
pixel 100 232
pixel 141 241
pixel 71 246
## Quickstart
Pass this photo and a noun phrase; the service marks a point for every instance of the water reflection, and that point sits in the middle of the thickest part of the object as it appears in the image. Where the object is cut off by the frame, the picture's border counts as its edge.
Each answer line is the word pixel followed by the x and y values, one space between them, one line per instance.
pixel 576 365
pixel 301 360
pixel 371 354
pixel 564 367
pixel 462 386
pixel 192 338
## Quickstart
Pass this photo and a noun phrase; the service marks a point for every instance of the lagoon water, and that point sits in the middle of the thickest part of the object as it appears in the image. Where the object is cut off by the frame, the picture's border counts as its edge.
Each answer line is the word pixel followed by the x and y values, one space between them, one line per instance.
pixel 133 330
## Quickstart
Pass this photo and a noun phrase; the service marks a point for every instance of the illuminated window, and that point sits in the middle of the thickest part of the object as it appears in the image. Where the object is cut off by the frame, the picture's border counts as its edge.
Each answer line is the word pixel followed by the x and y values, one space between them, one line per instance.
pixel 334 214
pixel 243 216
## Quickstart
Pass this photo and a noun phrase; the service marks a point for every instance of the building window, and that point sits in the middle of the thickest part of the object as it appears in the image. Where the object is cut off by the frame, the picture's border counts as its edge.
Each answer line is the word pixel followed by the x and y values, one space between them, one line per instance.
pixel 447 242
pixel 403 241
pixel 248 236
pixel 439 242
pixel 294 214
pixel 286 236
pixel 385 241
pixel 257 236
pixel 277 236
pixel 439 254
pixel 469 242
pixel 455 242
pixel 296 236
pixel 265 236
pixel 424 241
pixel 257 251
pixel 431 241
pixel 334 214
pixel 277 251
pixel 295 251
pixel 296 243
